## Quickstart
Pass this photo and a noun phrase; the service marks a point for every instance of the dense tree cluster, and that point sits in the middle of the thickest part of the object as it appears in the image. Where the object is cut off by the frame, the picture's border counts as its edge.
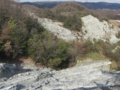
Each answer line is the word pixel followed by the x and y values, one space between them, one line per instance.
pixel 22 35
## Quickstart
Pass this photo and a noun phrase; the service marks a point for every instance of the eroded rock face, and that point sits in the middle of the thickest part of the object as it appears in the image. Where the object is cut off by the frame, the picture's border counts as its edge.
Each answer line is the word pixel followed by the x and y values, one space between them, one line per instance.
pixel 86 76
pixel 92 29
pixel 56 28
pixel 95 29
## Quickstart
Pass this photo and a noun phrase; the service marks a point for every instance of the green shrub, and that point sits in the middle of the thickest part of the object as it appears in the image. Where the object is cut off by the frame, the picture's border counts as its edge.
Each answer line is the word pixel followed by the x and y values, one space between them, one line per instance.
pixel 73 23
pixel 55 62
pixel 32 24
pixel 94 56
pixel 49 14
pixel 45 47
pixel 118 35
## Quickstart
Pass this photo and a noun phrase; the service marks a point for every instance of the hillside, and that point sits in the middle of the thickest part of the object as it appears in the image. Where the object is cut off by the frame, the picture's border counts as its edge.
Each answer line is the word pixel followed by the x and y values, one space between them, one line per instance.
pixel 101 9
pixel 67 13
pixel 90 5
pixel 102 5
pixel 67 47
pixel 71 7
pixel 93 29
pixel 42 4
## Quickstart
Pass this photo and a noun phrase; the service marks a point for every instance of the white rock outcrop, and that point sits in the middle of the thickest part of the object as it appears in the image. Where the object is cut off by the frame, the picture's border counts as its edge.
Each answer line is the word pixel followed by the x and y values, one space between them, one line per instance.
pixel 92 29
pixel 56 28
pixel 95 29
pixel 91 75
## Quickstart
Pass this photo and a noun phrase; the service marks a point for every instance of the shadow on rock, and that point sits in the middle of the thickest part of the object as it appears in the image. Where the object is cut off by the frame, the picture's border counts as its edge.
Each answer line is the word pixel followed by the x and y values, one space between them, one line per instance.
pixel 110 73
pixel 44 75
pixel 8 70
pixel 19 87
pixel 115 87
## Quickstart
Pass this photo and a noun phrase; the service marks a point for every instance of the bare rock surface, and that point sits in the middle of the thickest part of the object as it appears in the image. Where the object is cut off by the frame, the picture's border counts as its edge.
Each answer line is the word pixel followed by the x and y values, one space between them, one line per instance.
pixel 90 75
pixel 56 28
pixel 92 29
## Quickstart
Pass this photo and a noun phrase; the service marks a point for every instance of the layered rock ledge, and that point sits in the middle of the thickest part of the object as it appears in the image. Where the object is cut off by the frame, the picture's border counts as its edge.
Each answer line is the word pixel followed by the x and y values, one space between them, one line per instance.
pixel 90 75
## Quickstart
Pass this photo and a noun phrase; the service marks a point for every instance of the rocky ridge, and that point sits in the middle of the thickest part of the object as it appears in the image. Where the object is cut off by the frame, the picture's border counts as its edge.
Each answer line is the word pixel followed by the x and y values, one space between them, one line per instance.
pixel 95 29
pixel 92 29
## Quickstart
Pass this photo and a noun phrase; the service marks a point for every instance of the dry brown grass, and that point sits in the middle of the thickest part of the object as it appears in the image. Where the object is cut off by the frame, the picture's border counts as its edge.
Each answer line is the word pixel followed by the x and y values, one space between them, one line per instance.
pixel 115 22
pixel 70 8
pixel 32 8
pixel 114 65
pixel 106 13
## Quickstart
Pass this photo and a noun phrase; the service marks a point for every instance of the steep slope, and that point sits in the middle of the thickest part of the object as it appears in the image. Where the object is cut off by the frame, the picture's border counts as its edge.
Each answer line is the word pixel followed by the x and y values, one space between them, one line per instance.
pixel 92 29
pixel 95 29
pixel 56 28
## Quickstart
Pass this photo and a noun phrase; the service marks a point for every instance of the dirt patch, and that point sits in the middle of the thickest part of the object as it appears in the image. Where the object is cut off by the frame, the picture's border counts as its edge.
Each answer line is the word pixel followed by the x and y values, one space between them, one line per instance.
pixel 114 65
pixel 115 22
